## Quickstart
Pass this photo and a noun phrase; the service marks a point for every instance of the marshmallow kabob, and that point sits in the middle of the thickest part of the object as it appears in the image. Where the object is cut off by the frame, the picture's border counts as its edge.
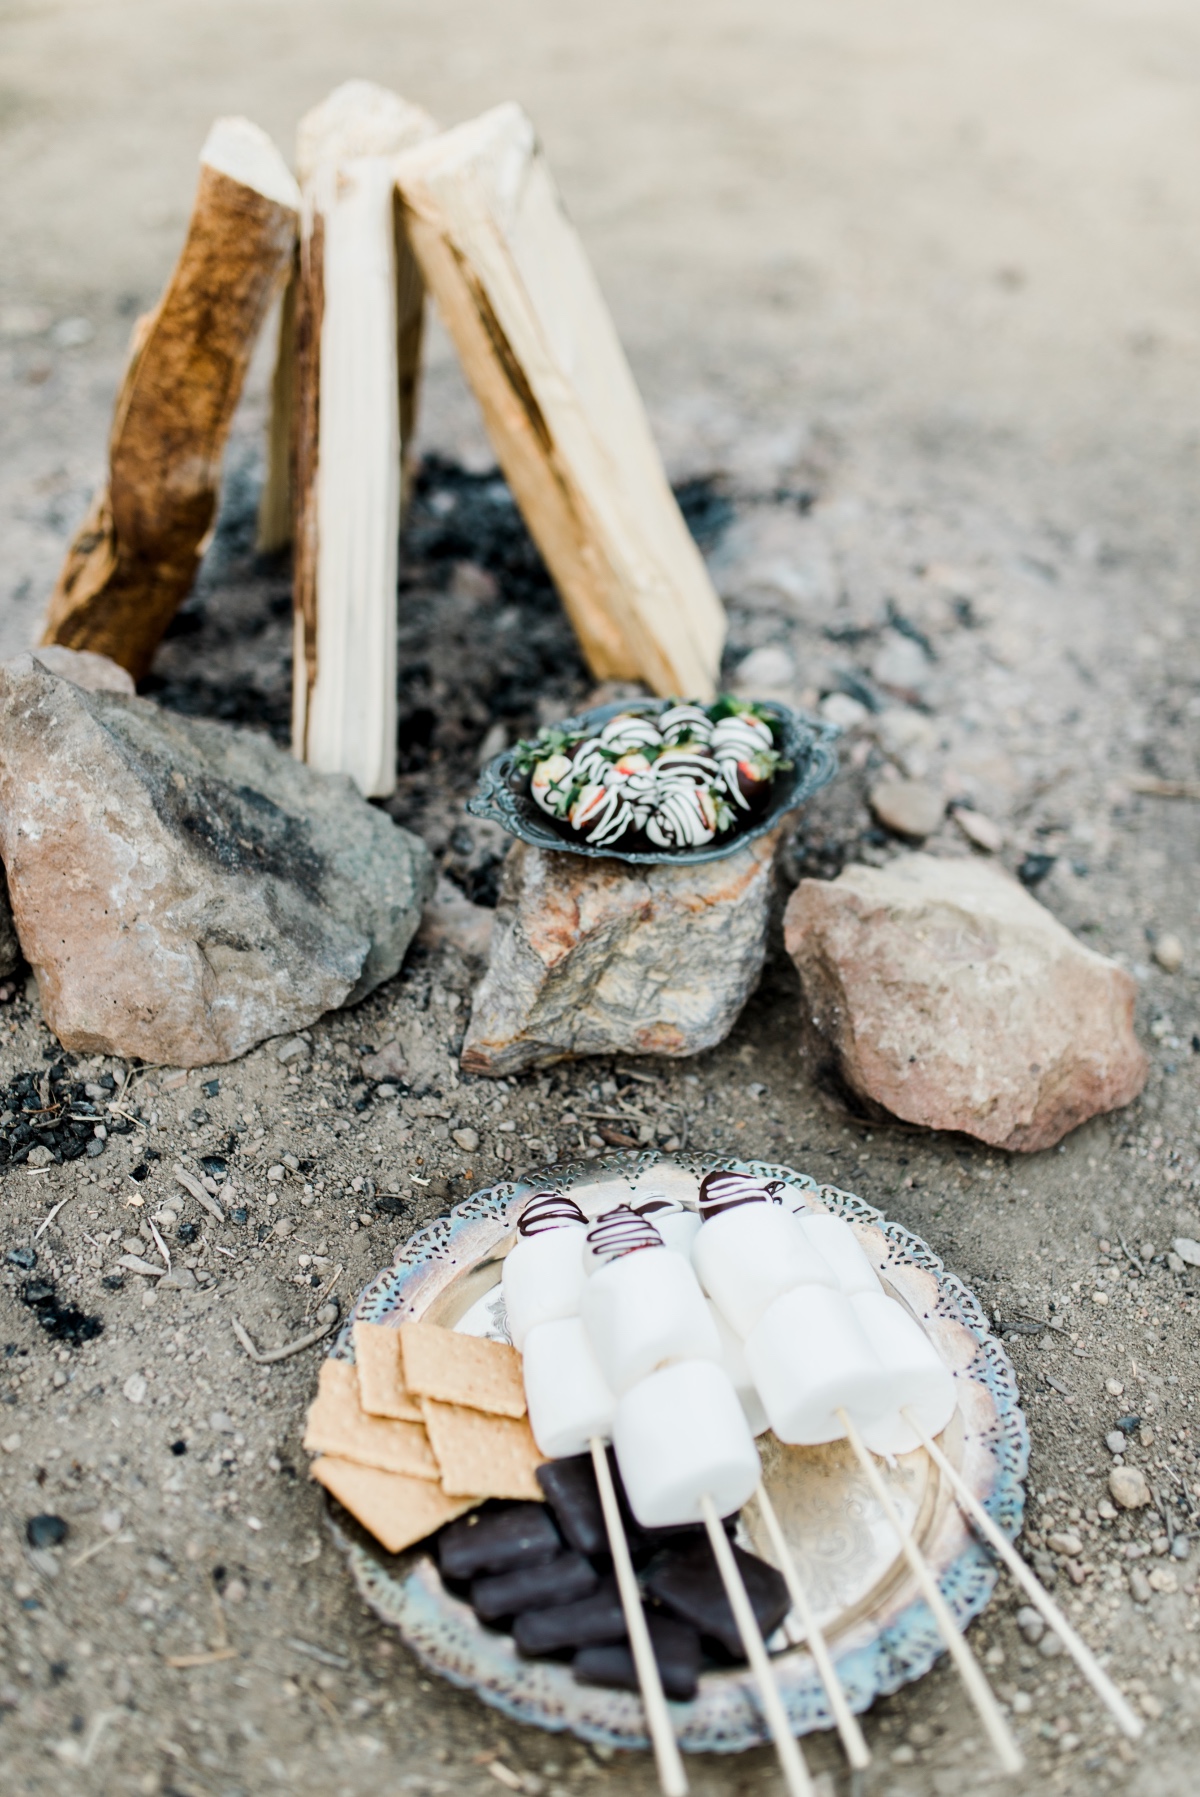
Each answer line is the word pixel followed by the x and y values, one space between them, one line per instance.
pixel 571 1411
pixel 645 1334
pixel 832 1358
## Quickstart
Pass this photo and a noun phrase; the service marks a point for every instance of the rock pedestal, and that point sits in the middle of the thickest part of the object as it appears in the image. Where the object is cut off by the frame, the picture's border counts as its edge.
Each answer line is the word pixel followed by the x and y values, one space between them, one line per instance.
pixel 183 890
pixel 954 1000
pixel 601 957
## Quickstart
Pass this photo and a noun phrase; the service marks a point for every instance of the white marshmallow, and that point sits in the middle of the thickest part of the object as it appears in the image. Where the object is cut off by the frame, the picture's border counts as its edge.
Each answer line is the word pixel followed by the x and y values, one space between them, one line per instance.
pixel 733 1359
pixel 676 1224
pixel 839 1248
pixel 750 1255
pixel 543 1278
pixel 915 1376
pixel 680 1436
pixel 569 1399
pixel 809 1357
pixel 643 1310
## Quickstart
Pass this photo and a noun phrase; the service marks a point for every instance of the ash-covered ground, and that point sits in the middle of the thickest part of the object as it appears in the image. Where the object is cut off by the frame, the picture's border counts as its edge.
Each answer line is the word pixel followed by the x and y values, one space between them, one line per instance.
pixel 134 1414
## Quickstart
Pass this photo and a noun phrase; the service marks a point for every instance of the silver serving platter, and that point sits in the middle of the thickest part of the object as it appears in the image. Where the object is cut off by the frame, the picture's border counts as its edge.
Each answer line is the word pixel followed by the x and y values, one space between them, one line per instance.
pixel 504 798
pixel 881 1632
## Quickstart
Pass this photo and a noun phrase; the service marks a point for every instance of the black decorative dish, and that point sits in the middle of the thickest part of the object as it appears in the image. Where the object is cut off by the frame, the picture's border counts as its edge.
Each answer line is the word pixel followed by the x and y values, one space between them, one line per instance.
pixel 802 757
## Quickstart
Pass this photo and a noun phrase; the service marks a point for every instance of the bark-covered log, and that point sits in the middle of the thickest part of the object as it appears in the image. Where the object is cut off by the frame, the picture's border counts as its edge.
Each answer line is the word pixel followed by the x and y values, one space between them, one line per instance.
pixel 136 554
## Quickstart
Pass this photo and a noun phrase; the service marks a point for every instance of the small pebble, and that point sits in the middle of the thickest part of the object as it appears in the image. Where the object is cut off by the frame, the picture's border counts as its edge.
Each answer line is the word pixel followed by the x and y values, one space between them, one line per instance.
pixel 1031 1624
pixel 221 1423
pixel 111 1521
pixel 275 1173
pixel 1064 1542
pixel 467 1139
pixel 1150 1706
pixel 979 830
pixel 842 710
pixel 135 1388
pixel 1128 1488
pixel 1181 1547
pixel 1187 1250
pixel 1139 1586
pixel 46 1530
pixel 1049 1646
pixel 1163 1579
pixel 1114 1388
pixel 10 1444
pixel 1115 1442
pixel 1168 952
pixel 907 808
pixel 1022 1703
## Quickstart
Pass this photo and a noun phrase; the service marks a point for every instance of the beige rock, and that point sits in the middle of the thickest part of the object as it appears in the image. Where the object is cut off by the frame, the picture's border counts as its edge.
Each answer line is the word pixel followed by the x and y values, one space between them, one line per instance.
pixel 600 957
pixel 1168 952
pixel 951 998
pixel 981 831
pixel 1128 1488
pixel 907 808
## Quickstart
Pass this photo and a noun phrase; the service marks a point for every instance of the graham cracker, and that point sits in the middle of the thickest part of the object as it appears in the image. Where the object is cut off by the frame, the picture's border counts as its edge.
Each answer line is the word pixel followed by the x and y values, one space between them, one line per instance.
pixel 380 1373
pixel 397 1510
pixel 480 1455
pixel 462 1369
pixel 337 1424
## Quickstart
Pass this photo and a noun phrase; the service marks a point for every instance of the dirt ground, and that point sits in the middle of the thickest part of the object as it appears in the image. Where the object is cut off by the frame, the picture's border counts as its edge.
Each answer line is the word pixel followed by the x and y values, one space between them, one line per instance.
pixel 913 294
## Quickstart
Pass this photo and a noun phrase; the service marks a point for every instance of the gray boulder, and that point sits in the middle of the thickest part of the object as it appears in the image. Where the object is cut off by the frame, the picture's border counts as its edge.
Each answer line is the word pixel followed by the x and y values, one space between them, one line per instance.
pixel 184 890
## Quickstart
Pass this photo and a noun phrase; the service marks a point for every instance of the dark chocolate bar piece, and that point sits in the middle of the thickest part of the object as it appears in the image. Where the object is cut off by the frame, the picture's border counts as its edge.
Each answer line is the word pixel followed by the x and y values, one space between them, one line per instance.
pixel 595 1618
pixel 498 1540
pixel 570 1488
pixel 563 1580
pixel 688 1584
pixel 676 1648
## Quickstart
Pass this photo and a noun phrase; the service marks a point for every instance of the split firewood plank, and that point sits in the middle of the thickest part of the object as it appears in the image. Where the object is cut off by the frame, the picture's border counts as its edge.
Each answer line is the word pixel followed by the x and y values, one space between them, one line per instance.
pixel 136 554
pixel 359 304
pixel 523 309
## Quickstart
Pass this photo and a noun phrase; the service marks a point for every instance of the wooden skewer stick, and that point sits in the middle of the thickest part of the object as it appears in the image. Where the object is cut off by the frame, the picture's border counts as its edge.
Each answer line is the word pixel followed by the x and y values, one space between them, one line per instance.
pixel 671 1775
pixel 967 1666
pixel 1037 1594
pixel 791 1760
pixel 857 1751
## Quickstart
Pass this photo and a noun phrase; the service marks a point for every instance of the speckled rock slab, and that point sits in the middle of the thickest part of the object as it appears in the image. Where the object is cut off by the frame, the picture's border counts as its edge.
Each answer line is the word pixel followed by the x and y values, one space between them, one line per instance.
pixel 181 889
pixel 951 998
pixel 601 957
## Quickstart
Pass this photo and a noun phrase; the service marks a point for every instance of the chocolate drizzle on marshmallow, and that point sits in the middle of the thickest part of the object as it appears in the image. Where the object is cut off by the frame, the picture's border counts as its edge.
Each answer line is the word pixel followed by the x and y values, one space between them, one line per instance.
pixel 725 1191
pixel 619 1232
pixel 548 1210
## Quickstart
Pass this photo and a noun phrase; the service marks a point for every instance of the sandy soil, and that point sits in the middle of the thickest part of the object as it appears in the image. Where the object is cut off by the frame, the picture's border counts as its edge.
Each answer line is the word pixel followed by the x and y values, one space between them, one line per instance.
pixel 935 272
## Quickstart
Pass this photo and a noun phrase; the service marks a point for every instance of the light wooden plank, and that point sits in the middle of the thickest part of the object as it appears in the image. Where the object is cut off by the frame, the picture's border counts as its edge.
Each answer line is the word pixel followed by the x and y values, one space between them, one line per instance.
pixel 536 341
pixel 359 303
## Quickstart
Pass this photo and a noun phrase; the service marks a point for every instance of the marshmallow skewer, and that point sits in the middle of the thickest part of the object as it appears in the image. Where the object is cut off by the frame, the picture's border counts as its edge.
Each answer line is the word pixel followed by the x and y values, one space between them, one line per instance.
pixel 967 1666
pixel 1037 1594
pixel 791 1760
pixel 671 1775
pixel 857 1751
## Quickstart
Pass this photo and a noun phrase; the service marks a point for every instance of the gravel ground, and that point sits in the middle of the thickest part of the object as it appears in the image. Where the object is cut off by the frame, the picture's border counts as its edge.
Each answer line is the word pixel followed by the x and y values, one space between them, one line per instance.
pixel 949 473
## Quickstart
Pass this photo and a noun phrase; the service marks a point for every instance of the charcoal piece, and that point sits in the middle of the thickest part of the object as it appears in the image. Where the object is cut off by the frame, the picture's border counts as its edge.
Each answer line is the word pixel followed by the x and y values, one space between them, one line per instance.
pixel 563 1580
pixel 688 1584
pixel 676 1648
pixel 46 1530
pixel 592 1619
pixel 498 1540
pixel 572 1494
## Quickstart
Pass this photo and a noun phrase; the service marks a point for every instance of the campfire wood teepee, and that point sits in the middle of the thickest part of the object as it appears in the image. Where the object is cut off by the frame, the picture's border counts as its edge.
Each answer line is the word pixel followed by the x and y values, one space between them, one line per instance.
pixel 134 557
pixel 357 335
pixel 518 297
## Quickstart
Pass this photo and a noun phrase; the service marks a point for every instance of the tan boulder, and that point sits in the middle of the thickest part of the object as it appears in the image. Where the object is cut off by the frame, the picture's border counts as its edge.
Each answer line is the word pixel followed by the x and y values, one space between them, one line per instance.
pixel 603 957
pixel 952 999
